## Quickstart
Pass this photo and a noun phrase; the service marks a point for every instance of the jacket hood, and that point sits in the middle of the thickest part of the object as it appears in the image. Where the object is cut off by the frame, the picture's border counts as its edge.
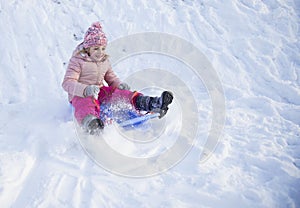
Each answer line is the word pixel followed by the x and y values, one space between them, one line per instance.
pixel 80 53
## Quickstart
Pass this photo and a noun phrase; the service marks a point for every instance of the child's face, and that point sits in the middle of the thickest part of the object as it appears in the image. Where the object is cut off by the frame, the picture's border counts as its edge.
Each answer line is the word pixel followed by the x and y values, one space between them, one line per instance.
pixel 97 52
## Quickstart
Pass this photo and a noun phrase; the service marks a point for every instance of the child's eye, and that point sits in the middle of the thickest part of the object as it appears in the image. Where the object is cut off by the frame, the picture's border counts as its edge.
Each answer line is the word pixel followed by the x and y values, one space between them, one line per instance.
pixel 96 49
pixel 103 49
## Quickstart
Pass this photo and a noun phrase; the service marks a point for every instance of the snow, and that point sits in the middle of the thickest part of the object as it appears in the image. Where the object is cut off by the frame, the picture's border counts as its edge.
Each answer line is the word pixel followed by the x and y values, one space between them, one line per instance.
pixel 252 45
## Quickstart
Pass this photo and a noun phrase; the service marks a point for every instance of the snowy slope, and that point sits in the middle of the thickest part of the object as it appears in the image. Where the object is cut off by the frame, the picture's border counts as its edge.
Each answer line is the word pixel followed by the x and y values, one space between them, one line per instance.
pixel 253 46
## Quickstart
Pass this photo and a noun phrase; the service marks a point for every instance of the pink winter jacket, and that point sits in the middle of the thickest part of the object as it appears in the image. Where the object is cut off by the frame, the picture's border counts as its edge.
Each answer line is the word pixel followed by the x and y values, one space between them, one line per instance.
pixel 82 71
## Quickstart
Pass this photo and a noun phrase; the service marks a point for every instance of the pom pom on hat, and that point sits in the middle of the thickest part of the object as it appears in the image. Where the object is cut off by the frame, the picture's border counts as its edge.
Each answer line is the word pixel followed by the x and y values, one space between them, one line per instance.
pixel 94 36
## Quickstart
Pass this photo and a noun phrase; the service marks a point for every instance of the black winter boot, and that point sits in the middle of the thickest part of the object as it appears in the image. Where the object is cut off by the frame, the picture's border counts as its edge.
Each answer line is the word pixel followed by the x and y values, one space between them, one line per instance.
pixel 166 99
pixel 93 124
pixel 155 104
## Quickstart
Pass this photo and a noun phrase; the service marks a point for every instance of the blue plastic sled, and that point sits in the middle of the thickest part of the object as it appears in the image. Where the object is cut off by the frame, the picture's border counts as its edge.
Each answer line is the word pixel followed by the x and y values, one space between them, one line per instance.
pixel 126 118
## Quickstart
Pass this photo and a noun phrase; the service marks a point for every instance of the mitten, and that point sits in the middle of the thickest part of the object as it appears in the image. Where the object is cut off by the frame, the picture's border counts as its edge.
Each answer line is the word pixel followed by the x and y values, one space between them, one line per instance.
pixel 124 86
pixel 92 90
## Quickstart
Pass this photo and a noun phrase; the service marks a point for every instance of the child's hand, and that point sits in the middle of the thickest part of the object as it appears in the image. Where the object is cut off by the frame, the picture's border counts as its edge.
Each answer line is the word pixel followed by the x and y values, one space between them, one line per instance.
pixel 124 86
pixel 92 90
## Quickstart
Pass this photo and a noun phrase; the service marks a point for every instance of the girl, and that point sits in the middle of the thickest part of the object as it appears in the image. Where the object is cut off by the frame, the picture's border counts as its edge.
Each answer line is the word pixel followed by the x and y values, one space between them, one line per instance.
pixel 88 68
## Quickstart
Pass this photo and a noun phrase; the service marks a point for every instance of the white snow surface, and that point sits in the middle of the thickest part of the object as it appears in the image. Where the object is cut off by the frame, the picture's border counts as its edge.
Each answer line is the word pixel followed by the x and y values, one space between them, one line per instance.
pixel 252 44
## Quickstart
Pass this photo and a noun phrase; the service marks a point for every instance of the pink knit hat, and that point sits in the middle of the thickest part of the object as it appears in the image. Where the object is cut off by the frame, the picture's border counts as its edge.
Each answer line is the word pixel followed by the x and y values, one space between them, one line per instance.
pixel 94 36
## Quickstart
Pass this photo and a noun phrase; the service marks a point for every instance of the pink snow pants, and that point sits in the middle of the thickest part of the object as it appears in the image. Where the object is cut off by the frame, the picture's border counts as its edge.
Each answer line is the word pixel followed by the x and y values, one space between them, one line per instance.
pixel 91 106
